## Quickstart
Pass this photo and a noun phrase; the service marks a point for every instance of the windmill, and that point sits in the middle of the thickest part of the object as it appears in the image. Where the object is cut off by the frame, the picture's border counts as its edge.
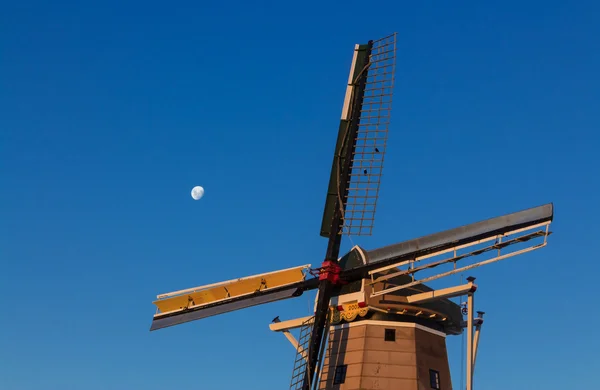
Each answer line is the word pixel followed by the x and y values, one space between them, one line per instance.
pixel 380 289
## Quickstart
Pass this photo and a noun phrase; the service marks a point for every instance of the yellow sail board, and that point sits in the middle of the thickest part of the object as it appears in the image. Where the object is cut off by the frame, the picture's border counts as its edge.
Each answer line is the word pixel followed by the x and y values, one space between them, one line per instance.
pixel 203 295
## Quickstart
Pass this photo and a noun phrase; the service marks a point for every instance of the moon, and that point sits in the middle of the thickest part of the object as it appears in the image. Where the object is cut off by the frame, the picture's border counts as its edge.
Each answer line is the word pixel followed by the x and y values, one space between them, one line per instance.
pixel 197 192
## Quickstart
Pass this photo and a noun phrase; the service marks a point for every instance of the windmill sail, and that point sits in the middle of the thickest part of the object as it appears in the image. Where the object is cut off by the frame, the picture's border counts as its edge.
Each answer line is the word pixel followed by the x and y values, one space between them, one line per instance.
pixel 205 301
pixel 350 201
pixel 371 139
pixel 364 124
pixel 463 236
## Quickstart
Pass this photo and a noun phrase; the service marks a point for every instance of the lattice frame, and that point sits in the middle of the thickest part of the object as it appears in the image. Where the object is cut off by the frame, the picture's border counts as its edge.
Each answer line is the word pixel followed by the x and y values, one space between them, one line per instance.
pixel 371 139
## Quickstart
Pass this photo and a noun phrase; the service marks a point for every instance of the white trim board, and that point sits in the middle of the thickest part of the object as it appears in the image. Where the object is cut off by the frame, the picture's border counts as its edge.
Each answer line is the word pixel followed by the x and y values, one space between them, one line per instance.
pixel 345 298
pixel 389 324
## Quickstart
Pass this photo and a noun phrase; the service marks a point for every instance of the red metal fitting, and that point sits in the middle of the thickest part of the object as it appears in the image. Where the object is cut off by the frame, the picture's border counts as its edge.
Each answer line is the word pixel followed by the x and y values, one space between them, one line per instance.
pixel 330 271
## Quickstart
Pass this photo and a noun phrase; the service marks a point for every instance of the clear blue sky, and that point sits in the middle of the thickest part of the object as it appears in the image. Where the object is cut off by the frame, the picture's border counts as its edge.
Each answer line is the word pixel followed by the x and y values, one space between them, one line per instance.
pixel 111 111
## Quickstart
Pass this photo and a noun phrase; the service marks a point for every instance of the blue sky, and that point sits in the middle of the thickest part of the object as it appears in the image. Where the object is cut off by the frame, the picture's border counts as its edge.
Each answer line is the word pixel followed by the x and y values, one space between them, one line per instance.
pixel 110 112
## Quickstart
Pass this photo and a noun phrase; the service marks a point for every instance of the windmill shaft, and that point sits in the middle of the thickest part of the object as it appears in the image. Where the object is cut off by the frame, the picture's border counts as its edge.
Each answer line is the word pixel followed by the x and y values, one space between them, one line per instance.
pixel 316 338
pixel 341 170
